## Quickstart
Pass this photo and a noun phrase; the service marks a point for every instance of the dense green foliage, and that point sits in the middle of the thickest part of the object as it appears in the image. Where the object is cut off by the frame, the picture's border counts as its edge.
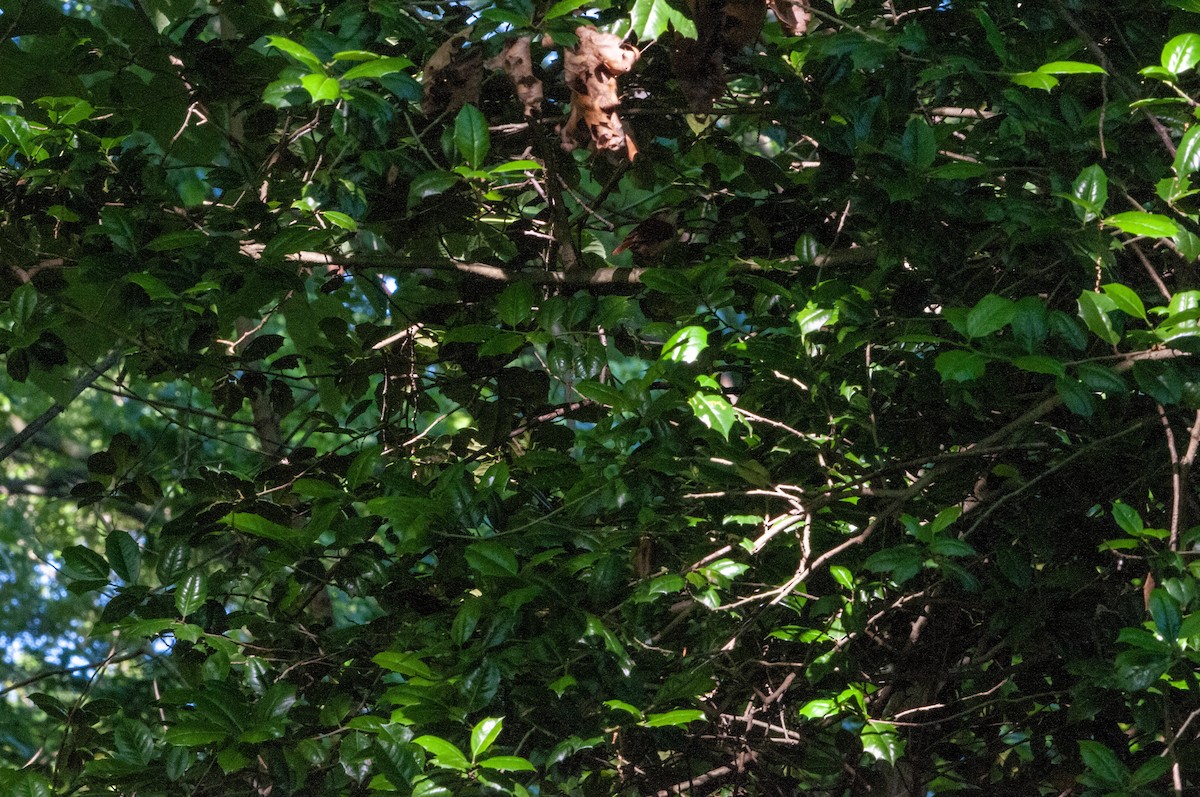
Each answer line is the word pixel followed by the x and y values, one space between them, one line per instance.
pixel 345 456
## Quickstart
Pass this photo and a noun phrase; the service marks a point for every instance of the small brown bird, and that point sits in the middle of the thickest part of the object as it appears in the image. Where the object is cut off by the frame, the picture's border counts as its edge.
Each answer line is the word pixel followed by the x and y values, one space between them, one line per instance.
pixel 650 239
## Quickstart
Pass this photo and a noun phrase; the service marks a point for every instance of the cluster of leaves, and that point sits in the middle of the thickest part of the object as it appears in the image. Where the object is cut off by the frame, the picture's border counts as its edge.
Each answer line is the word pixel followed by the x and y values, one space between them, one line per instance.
pixel 398 479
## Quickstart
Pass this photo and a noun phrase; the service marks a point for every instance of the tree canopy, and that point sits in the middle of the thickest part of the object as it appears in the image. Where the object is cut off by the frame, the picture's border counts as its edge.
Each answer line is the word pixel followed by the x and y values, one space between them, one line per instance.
pixel 629 397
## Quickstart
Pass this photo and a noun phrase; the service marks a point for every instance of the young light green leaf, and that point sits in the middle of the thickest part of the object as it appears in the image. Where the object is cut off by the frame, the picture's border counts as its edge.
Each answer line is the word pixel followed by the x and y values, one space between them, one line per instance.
pixel 321 87
pixel 621 705
pixel 651 18
pixel 685 345
pixel 1035 80
pixel 677 717
pixel 378 68
pixel 471 136
pixel 1125 299
pixel 713 411
pixel 507 763
pixel 297 51
pixel 1137 222
pixel 842 575
pixel 484 734
pixel 1070 68
pixel 562 8
pixel 1181 53
pixel 444 753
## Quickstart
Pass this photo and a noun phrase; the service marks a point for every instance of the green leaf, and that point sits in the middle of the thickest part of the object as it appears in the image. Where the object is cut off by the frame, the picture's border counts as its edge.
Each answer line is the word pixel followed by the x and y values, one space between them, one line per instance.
pixel 195 734
pixel 297 51
pixel 1187 156
pixel 429 184
pixel 1181 53
pixel 514 305
pixel 882 741
pixel 491 559
pixel 1103 764
pixel 1075 397
pixel 172 562
pixel 445 754
pixel 259 526
pixel 713 411
pixel 1101 379
pixel 1070 68
pixel 1040 364
pixel 621 705
pixel 960 366
pixel 991 314
pixel 1136 222
pixel 599 393
pixel 677 717
pixel 918 145
pixel 1158 380
pixel 124 556
pixel 471 136
pixel 191 593
pixel 1150 771
pixel 1091 191
pixel 950 546
pixel 563 7
pixel 81 562
pixel 1127 518
pixel 1094 309
pixel 1138 670
pixel 377 69
pixel 171 241
pixel 507 763
pixel 1125 299
pixel 1165 614
pixel 484 734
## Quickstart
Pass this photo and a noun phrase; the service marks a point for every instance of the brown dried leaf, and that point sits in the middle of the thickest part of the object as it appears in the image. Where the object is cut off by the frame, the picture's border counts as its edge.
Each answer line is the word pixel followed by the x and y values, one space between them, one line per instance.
pixel 743 22
pixel 453 75
pixel 590 70
pixel 793 15
pixel 517 62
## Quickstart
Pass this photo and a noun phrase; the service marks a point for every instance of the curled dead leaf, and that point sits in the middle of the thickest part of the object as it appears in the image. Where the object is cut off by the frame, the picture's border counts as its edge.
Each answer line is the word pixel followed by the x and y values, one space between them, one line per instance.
pixel 793 15
pixel 517 62
pixel 453 75
pixel 590 70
